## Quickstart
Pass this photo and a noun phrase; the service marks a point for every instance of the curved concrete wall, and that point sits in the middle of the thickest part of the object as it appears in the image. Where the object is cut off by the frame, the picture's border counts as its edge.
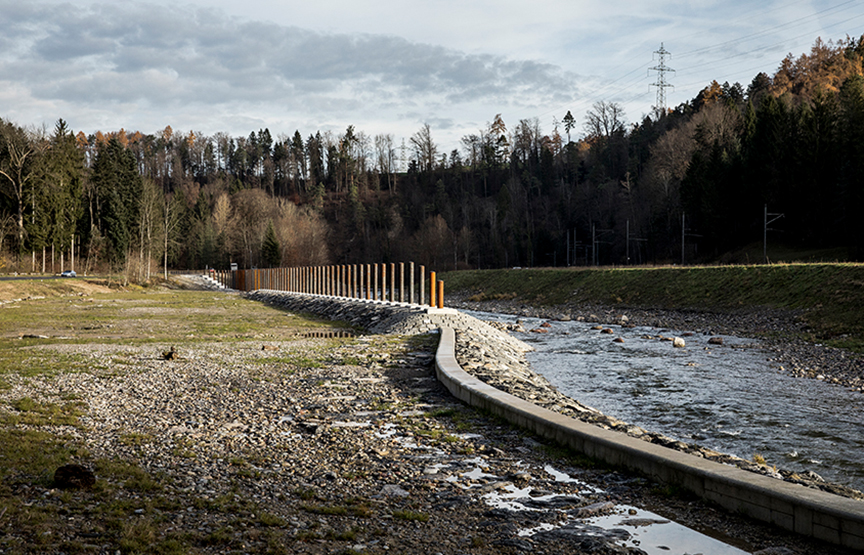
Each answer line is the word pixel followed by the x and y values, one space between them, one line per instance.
pixel 810 512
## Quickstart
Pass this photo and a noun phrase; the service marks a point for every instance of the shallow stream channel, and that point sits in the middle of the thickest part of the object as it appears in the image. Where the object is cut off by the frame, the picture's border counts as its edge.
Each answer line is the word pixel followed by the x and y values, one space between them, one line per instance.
pixel 729 397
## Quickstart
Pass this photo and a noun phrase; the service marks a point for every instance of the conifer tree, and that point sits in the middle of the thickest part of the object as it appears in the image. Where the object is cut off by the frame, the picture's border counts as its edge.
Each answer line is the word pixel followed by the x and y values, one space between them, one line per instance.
pixel 271 251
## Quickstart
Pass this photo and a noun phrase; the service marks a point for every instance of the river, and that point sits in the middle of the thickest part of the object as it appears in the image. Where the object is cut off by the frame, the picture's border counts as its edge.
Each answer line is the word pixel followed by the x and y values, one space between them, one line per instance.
pixel 729 398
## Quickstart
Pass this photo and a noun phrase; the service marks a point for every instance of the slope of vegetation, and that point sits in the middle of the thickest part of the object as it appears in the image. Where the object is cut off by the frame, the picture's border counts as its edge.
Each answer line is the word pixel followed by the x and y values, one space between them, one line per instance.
pixel 831 296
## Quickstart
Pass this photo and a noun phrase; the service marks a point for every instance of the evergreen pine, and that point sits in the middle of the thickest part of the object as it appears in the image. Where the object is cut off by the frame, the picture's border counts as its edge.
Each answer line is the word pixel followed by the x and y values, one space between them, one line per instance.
pixel 271 252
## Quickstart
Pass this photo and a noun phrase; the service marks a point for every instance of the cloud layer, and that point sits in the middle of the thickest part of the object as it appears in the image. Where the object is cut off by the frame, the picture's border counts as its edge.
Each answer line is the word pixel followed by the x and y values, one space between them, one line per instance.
pixel 142 59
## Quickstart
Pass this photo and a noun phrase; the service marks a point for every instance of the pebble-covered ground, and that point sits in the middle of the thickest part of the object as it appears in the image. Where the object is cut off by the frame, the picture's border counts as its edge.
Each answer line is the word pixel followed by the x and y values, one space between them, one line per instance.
pixel 323 446
pixel 304 446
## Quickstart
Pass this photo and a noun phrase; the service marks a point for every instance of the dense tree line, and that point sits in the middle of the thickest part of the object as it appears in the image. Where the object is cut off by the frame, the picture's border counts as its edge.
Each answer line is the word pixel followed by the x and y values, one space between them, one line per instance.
pixel 615 193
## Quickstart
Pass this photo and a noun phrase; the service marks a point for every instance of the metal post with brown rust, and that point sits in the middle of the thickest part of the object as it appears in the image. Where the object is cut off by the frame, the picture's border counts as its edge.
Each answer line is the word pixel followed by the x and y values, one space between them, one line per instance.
pixel 422 285
pixel 440 293
pixel 383 282
pixel 392 282
pixel 375 289
pixel 432 286
pixel 411 281
pixel 401 282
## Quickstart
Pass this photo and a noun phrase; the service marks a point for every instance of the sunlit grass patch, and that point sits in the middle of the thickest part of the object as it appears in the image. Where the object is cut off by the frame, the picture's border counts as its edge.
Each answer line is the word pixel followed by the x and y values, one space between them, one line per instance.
pixel 410 516
pixel 26 411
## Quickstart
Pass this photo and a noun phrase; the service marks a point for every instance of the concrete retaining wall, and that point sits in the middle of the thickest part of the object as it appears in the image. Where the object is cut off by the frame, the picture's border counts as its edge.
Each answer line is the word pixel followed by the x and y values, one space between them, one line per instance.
pixel 810 512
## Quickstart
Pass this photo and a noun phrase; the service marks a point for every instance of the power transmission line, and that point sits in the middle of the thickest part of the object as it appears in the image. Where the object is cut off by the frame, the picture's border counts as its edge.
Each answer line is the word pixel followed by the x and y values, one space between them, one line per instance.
pixel 661 83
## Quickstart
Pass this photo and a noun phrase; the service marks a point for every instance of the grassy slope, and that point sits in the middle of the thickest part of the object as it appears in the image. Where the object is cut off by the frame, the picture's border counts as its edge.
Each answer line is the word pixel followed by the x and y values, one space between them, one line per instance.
pixel 831 294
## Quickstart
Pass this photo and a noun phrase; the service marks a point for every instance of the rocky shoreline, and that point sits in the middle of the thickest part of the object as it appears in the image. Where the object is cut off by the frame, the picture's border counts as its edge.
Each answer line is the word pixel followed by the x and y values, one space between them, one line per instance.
pixel 779 330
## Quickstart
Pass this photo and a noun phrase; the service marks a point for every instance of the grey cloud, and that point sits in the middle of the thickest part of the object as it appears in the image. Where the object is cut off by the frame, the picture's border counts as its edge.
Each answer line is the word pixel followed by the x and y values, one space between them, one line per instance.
pixel 149 53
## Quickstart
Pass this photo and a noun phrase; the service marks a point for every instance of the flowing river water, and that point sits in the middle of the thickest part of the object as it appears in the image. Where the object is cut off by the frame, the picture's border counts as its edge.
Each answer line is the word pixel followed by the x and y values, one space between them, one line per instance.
pixel 729 398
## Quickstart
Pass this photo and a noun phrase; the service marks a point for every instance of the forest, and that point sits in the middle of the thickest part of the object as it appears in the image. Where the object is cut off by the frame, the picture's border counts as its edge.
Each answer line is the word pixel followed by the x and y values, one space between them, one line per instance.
pixel 689 184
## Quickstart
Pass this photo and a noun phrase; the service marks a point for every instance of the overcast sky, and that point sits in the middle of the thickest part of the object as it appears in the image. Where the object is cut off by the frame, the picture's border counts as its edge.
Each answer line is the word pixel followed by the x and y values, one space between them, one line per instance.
pixel 385 67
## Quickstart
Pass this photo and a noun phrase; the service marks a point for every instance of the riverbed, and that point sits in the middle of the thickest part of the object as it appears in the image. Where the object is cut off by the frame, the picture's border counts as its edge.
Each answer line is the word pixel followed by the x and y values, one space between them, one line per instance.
pixel 731 397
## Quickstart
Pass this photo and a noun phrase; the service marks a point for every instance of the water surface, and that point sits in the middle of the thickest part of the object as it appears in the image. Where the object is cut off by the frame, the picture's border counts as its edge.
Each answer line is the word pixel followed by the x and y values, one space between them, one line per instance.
pixel 730 398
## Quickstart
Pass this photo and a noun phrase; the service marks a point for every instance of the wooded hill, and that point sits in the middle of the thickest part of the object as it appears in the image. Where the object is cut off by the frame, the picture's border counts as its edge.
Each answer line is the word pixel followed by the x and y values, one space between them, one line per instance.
pixel 510 196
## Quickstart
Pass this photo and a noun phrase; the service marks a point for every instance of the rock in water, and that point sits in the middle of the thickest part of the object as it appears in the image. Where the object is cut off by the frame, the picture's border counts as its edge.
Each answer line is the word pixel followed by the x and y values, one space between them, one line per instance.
pixel 678 343
pixel 74 476
pixel 715 341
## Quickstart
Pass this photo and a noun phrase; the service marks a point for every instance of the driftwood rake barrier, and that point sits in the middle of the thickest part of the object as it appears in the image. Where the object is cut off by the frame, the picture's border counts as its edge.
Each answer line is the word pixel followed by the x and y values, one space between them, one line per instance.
pixel 373 282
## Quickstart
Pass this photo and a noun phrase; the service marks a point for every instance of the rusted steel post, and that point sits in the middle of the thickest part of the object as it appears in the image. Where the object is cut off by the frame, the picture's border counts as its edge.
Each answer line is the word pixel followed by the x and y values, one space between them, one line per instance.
pixel 356 281
pixel 345 290
pixel 432 285
pixel 392 281
pixel 411 282
pixel 401 282
pixel 368 282
pixel 383 281
pixel 440 293
pixel 422 285
pixel 375 290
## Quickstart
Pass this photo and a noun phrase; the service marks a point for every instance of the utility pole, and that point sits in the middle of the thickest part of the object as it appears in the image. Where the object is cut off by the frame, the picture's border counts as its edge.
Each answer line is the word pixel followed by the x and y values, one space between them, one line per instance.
pixel 765 221
pixel 661 83
pixel 637 239
pixel 683 234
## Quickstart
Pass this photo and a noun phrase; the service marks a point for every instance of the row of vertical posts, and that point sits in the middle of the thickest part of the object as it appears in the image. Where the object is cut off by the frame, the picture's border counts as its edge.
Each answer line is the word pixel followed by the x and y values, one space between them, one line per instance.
pixel 375 282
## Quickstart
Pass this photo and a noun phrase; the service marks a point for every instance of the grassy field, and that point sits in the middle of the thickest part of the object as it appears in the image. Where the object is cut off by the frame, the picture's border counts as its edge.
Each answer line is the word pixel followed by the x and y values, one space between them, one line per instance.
pixel 832 295
pixel 37 319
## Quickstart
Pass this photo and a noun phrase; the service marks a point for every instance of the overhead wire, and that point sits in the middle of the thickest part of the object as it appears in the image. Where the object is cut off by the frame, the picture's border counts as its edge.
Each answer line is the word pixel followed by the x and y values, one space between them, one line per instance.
pixel 766 31
pixel 618 91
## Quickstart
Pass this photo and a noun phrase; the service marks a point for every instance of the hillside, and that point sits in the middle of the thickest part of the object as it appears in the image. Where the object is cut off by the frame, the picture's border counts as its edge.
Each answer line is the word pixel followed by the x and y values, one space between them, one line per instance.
pixel 829 297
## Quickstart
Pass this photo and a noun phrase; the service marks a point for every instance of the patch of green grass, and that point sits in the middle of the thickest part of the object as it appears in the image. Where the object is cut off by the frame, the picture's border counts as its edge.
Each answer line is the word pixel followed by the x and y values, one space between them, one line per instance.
pixel 18 359
pixel 31 455
pixel 267 519
pixel 135 439
pixel 348 535
pixel 131 475
pixel 449 412
pixel 410 516
pixel 353 509
pixel 34 413
pixel 306 494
